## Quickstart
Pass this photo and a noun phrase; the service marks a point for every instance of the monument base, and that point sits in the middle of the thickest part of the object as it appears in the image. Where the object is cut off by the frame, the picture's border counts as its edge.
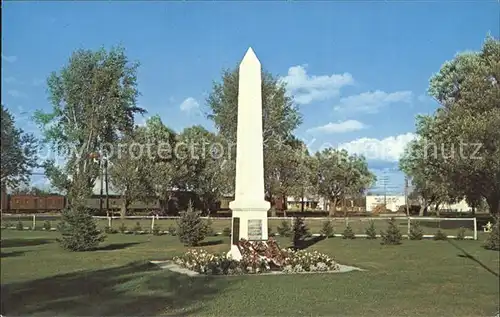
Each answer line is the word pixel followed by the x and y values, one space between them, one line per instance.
pixel 249 222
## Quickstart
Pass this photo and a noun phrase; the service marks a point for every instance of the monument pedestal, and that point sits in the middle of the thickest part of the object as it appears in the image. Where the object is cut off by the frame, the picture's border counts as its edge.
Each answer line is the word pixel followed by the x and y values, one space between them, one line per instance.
pixel 249 223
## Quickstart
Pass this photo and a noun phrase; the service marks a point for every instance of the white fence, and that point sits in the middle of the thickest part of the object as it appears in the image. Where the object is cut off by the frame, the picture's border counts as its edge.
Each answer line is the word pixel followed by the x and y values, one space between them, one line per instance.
pixel 357 223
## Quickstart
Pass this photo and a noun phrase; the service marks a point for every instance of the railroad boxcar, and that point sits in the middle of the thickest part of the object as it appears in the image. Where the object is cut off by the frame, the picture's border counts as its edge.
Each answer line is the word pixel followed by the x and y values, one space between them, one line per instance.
pixel 55 202
pixel 23 203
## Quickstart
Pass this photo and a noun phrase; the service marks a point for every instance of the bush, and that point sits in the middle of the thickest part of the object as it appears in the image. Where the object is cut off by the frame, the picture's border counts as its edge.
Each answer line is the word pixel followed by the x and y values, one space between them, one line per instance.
pixel 122 228
pixel 493 240
pixel 300 231
pixel 392 236
pixel 226 232
pixel 270 232
pixel 416 232
pixel 137 228
pixel 156 230
pixel 191 228
pixel 284 229
pixel 440 235
pixel 371 233
pixel 348 233
pixel 172 230
pixel 461 233
pixel 209 229
pixel 327 229
pixel 79 230
pixel 7 224
pixel 47 226
pixel 19 225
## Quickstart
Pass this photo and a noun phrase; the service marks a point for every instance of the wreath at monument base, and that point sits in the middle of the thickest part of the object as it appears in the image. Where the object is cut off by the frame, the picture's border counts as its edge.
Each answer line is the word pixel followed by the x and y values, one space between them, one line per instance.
pixel 257 257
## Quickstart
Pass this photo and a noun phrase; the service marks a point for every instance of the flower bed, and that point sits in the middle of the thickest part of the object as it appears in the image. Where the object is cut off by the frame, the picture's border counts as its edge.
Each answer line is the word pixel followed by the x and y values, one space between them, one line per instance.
pixel 258 257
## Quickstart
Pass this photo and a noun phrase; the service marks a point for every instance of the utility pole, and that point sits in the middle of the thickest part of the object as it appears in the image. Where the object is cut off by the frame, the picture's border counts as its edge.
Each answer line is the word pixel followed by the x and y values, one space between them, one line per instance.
pixel 406 197
pixel 106 180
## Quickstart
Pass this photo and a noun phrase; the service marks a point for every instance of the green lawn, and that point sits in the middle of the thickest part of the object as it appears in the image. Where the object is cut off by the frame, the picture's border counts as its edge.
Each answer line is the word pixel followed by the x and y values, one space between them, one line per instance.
pixel 417 278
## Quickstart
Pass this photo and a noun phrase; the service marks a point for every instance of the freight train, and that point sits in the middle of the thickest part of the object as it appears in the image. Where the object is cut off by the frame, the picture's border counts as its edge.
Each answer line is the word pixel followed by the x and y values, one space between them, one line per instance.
pixel 178 200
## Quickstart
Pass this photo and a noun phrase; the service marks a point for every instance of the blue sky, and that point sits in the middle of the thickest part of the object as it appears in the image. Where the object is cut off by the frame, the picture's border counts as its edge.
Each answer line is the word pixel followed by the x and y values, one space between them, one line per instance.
pixel 358 70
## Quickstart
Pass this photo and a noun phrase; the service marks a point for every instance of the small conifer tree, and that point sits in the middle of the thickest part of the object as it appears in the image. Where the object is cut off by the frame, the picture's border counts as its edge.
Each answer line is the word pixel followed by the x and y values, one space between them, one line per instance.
pixel 47 226
pixel 122 228
pixel 392 236
pixel 190 227
pixel 348 233
pixel 440 235
pixel 371 233
pixel 284 229
pixel 327 229
pixel 416 232
pixel 461 233
pixel 78 230
pixel 493 240
pixel 300 230
pixel 19 225
pixel 156 230
pixel 226 232
pixel 209 229
pixel 137 229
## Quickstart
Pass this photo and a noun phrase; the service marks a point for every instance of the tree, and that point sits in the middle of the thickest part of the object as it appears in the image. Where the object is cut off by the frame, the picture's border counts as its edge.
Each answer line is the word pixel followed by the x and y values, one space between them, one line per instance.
pixel 280 119
pixel 191 228
pixel 94 102
pixel 463 133
pixel 18 153
pixel 339 174
pixel 205 155
pixel 166 168
pixel 130 170
pixel 78 230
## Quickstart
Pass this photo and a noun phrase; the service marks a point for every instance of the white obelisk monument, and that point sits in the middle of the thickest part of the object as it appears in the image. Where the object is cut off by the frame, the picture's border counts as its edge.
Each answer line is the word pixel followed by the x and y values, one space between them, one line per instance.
pixel 249 208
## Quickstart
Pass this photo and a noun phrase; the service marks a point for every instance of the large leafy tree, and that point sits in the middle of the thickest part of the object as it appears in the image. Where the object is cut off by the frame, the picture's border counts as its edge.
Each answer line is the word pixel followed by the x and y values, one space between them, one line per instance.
pixel 94 101
pixel 131 168
pixel 205 156
pixel 280 119
pixel 339 175
pixel 18 153
pixel 465 128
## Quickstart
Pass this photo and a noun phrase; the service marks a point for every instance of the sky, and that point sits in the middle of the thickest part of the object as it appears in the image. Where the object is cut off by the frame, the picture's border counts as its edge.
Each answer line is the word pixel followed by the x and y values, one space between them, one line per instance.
pixel 358 71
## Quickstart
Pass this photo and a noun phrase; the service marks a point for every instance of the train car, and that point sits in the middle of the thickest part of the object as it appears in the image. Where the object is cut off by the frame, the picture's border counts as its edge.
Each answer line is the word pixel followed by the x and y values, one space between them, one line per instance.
pixel 55 202
pixel 23 203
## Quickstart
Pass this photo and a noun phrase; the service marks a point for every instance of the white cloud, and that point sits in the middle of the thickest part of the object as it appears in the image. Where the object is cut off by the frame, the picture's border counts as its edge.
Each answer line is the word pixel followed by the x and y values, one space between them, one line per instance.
pixel 189 104
pixel 372 102
pixel 388 149
pixel 9 59
pixel 308 88
pixel 15 93
pixel 340 127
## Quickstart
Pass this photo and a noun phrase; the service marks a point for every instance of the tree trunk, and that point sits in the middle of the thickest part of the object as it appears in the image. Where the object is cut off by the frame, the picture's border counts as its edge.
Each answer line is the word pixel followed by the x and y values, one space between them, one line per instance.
pixel 124 207
pixel 302 203
pixel 437 210
pixel 333 207
pixel 494 203
pixel 422 209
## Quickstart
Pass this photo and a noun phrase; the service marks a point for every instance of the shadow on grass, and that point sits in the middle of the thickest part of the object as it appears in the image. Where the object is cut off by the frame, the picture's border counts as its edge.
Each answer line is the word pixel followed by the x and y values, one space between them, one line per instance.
pixel 467 255
pixel 11 254
pixel 116 246
pixel 12 243
pixel 304 244
pixel 136 289
pixel 210 242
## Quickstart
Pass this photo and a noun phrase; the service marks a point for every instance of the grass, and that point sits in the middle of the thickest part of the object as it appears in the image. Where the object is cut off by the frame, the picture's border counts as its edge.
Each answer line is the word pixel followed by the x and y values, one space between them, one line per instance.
pixel 417 278
pixel 359 225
